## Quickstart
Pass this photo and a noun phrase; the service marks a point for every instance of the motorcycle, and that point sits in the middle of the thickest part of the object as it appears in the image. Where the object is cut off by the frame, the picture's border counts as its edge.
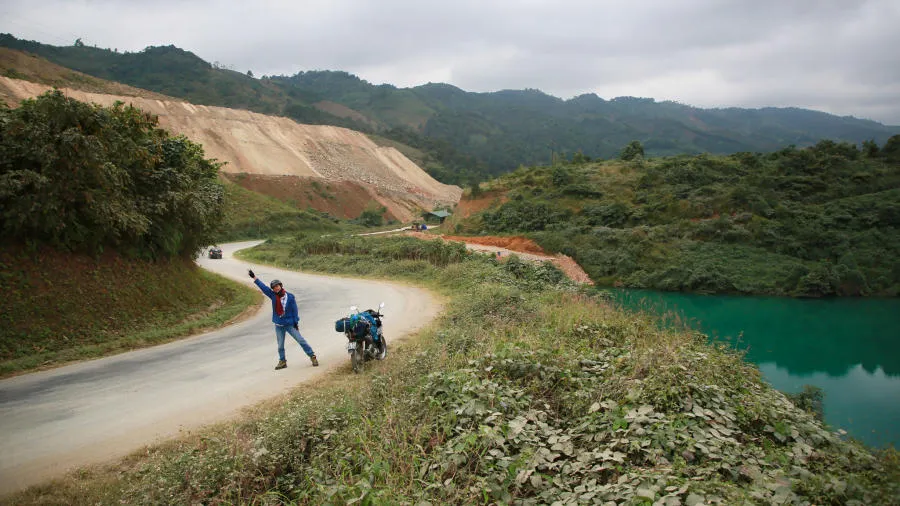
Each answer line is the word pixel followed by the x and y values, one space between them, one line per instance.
pixel 365 339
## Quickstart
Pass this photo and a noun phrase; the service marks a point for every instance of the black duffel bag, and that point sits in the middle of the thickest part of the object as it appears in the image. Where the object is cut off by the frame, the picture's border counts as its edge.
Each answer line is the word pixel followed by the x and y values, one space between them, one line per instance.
pixel 342 325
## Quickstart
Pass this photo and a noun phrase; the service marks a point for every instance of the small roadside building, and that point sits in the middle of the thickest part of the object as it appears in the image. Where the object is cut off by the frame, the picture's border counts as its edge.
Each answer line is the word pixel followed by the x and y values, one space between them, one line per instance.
pixel 435 216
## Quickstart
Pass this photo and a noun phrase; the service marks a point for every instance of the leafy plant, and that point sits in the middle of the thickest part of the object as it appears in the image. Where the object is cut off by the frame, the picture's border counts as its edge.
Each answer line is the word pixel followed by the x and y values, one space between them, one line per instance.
pixel 84 177
pixel 372 215
pixel 633 150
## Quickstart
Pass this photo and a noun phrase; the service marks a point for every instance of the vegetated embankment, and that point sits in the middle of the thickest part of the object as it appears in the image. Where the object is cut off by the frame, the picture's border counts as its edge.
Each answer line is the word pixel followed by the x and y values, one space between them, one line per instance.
pixel 59 306
pixel 527 391
pixel 30 67
pixel 247 214
pixel 257 144
pixel 102 214
pixel 340 199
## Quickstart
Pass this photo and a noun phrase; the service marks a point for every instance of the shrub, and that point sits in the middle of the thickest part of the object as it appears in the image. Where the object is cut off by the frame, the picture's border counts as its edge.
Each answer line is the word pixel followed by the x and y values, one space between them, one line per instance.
pixel 85 177
pixel 633 150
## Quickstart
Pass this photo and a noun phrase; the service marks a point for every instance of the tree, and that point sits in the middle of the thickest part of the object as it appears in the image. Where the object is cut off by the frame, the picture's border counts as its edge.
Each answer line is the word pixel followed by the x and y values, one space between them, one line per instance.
pixel 475 190
pixel 372 216
pixel 870 148
pixel 78 42
pixel 891 149
pixel 249 73
pixel 561 176
pixel 579 158
pixel 105 177
pixel 632 151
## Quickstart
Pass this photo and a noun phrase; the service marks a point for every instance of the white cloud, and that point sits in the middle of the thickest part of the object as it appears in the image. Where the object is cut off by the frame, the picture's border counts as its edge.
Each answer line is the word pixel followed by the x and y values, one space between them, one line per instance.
pixel 834 55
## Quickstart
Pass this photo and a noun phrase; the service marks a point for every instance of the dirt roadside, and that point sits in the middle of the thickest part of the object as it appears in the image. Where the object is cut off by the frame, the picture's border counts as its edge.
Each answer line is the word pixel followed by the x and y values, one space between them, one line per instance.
pixel 522 247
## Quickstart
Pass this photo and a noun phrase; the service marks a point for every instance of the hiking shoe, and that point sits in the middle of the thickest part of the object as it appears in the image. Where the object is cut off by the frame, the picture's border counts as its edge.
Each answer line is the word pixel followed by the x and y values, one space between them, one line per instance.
pixel 315 361
pixel 281 364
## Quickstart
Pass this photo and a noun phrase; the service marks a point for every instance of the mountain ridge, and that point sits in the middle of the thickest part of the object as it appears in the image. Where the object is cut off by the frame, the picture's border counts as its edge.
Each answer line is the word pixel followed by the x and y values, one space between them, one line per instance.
pixel 468 135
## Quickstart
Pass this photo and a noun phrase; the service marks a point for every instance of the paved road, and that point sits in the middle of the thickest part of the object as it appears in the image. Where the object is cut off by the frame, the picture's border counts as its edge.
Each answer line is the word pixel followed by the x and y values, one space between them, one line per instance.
pixel 95 411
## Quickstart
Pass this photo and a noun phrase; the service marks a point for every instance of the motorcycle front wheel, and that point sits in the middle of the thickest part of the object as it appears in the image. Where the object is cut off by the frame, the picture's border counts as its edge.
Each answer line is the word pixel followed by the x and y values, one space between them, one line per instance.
pixel 382 349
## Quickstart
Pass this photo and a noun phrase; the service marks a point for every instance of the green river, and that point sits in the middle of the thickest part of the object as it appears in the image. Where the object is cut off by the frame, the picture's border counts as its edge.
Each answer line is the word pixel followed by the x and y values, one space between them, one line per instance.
pixel 848 347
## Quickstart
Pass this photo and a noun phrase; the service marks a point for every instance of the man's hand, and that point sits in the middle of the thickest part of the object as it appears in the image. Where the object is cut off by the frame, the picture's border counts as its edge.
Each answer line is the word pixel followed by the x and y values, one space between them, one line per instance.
pixel 297 326
pixel 250 272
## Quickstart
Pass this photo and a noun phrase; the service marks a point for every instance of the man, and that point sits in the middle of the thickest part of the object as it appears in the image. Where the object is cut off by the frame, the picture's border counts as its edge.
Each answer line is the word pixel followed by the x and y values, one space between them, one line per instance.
pixel 286 318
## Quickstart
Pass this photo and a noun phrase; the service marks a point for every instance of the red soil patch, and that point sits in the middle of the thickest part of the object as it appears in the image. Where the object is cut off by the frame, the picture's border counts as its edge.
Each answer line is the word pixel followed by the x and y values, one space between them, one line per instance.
pixel 343 199
pixel 516 243
pixel 572 269
pixel 468 206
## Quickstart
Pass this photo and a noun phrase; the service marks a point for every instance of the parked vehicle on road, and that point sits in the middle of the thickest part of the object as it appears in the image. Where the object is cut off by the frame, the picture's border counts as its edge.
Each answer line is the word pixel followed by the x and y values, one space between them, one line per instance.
pixel 365 339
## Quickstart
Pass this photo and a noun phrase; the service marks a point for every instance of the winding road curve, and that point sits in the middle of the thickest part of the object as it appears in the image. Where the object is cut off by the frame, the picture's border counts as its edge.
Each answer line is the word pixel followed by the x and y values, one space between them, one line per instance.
pixel 95 411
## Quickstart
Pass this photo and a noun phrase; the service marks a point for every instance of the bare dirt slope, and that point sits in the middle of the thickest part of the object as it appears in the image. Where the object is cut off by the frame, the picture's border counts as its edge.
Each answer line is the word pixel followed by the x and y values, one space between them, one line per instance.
pixel 269 145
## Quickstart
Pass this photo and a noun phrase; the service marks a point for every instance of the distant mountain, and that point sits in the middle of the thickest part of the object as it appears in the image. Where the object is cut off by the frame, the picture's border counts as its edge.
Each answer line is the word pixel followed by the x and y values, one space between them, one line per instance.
pixel 466 135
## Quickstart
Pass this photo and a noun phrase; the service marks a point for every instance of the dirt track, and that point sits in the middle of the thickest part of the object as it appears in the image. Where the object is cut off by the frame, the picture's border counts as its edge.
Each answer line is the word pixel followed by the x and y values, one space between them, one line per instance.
pixel 520 246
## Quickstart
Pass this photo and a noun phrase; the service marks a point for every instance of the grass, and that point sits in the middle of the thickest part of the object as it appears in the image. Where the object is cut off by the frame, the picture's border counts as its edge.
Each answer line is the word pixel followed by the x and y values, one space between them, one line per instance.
pixel 251 215
pixel 524 391
pixel 60 307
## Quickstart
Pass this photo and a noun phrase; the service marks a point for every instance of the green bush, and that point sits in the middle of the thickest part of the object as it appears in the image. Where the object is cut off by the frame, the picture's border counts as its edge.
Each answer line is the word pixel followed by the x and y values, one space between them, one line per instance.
pixel 84 177
pixel 436 252
pixel 633 150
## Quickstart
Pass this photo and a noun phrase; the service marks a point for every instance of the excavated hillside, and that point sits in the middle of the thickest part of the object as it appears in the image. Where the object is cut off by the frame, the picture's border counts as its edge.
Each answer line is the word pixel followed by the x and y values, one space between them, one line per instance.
pixel 263 145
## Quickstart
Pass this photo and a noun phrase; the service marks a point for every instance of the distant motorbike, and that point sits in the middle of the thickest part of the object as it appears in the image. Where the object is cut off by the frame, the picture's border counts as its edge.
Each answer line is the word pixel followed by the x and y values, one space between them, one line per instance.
pixel 365 339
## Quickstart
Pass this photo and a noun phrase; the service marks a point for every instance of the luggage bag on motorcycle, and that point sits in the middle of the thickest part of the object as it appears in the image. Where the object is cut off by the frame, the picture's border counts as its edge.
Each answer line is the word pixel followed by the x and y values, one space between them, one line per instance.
pixel 358 327
pixel 342 325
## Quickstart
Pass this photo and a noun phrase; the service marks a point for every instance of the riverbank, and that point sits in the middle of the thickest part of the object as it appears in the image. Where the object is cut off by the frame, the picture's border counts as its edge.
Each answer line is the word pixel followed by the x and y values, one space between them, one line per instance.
pixel 845 346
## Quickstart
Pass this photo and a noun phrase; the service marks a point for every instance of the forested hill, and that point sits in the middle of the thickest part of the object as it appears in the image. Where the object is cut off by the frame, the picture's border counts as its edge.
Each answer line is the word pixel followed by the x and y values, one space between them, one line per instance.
pixel 817 221
pixel 466 135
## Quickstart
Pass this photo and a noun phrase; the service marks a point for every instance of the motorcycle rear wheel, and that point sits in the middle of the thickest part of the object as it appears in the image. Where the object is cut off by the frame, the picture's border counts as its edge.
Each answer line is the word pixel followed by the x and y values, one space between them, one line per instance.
pixel 357 359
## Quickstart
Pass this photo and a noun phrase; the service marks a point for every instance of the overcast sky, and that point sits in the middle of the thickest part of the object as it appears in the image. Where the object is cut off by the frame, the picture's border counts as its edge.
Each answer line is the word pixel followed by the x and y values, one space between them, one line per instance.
pixel 838 56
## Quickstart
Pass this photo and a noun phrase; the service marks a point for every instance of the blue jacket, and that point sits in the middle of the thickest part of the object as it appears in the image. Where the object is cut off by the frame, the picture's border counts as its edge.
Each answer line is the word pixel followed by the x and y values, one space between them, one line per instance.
pixel 291 314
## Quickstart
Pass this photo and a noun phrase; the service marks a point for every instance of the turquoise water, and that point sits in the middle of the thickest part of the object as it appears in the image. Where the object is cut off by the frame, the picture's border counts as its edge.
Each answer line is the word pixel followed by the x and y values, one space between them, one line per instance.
pixel 850 348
